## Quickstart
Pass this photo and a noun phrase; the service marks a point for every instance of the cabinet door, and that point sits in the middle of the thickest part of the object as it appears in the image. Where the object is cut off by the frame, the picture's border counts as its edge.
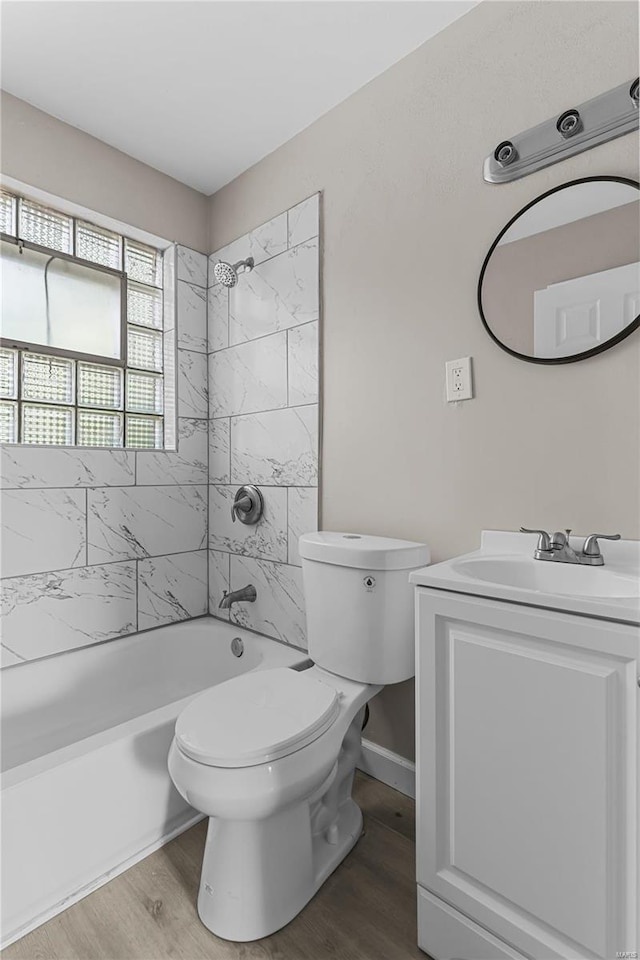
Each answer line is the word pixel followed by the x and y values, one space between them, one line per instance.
pixel 527 773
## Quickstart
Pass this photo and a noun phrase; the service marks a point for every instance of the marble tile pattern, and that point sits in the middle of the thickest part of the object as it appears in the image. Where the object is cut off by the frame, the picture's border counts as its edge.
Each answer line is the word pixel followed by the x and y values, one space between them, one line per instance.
pixel 192 310
pixel 172 588
pixel 266 241
pixel 249 377
pixel 264 418
pixel 302 518
pixel 97 544
pixel 279 447
pixel 280 293
pixel 279 608
pixel 303 220
pixel 220 451
pixel 266 540
pixel 192 266
pixel 33 466
pixel 192 385
pixel 135 522
pixel 187 464
pixel 219 579
pixel 42 530
pixel 302 364
pixel 49 612
pixel 217 317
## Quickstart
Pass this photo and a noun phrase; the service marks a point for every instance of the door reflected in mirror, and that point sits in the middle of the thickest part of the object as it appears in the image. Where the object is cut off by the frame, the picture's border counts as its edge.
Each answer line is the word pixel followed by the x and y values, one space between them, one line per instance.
pixel 561 281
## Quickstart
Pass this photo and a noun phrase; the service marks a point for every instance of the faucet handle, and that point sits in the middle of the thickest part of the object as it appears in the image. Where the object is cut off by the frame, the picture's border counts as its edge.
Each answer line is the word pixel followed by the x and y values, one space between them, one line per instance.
pixel 591 546
pixel 244 504
pixel 248 505
pixel 544 541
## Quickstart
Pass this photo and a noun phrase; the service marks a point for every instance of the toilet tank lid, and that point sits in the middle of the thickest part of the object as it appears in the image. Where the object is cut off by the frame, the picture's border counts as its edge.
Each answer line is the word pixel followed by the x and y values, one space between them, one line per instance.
pixel 363 551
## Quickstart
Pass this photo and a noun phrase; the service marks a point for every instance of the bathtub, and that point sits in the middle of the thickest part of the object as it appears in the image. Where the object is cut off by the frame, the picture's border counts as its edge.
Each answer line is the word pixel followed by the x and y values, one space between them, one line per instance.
pixel 85 738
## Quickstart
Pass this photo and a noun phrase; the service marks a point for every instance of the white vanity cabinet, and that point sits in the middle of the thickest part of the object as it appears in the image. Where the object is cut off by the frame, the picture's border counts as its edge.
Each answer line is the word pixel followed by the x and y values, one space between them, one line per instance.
pixel 527 795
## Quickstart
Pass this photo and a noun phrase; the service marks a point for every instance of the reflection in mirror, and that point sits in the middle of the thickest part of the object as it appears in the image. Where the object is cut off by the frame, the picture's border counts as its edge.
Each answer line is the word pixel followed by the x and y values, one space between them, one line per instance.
pixel 562 280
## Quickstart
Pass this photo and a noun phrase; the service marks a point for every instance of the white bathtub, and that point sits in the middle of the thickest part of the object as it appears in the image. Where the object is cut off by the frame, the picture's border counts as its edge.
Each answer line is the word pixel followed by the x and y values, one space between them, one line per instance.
pixel 85 737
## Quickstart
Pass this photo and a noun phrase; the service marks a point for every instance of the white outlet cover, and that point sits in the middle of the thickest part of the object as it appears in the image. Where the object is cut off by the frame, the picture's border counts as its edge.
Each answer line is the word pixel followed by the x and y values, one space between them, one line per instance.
pixel 458 379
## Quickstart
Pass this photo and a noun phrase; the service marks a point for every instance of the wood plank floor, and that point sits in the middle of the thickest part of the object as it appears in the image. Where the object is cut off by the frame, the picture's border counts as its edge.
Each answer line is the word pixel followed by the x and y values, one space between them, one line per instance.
pixel 365 911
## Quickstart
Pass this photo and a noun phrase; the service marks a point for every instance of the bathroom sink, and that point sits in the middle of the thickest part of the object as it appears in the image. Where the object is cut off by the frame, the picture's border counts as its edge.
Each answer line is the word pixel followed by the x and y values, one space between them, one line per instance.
pixel 504 569
pixel 548 577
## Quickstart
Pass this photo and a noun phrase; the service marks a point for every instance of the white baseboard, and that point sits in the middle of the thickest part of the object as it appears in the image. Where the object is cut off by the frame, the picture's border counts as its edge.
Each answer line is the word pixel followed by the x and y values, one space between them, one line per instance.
pixel 389 767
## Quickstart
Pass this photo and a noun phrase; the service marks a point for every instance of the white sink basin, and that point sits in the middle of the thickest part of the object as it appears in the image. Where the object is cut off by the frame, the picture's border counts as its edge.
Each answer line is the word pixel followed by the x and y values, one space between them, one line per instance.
pixel 504 569
pixel 548 577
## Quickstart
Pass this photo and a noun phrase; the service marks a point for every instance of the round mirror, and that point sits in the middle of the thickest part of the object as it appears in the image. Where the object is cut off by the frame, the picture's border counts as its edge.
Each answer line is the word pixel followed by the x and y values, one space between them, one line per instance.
pixel 561 281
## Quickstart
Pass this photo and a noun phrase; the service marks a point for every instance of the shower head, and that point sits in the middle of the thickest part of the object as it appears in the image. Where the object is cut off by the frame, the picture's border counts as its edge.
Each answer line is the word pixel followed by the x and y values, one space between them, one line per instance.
pixel 227 275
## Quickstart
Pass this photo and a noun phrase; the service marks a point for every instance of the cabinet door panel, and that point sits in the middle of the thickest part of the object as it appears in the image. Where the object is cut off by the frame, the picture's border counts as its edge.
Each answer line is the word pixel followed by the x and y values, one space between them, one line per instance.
pixel 525 805
pixel 446 934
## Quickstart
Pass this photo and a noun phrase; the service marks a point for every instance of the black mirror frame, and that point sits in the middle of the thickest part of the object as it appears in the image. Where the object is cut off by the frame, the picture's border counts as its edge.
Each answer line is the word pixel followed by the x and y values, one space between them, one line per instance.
pixel 628 330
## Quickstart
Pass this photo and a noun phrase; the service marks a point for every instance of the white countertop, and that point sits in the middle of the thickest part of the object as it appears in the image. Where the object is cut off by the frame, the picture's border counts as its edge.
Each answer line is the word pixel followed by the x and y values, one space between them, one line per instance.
pixel 621 557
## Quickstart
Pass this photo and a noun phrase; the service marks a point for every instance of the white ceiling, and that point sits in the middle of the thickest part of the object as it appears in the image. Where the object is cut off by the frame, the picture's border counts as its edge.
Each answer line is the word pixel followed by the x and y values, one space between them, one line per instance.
pixel 203 89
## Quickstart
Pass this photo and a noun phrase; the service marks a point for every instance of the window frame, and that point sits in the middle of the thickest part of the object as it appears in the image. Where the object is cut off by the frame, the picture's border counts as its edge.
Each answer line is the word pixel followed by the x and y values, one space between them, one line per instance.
pixel 32 347
pixel 77 357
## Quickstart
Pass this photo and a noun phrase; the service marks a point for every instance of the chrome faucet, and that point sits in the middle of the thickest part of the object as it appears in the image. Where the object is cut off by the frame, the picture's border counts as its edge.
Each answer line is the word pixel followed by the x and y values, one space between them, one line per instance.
pixel 248 593
pixel 557 547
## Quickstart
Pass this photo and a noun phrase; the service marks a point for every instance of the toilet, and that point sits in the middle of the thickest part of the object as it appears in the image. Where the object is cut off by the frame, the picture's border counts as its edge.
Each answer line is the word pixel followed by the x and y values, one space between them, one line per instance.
pixel 270 756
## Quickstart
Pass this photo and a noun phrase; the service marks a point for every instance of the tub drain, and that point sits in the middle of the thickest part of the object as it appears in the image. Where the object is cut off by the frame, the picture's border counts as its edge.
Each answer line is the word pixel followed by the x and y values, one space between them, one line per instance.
pixel 237 647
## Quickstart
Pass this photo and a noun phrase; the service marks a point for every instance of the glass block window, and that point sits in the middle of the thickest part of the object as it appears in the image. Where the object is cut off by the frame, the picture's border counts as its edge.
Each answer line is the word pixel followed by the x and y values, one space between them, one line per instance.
pixel 64 392
pixel 98 245
pixel 144 349
pixel 45 227
pixel 7 213
pixel 98 428
pixel 144 392
pixel 52 425
pixel 9 373
pixel 48 379
pixel 142 263
pixel 144 305
pixel 144 431
pixel 99 386
pixel 8 422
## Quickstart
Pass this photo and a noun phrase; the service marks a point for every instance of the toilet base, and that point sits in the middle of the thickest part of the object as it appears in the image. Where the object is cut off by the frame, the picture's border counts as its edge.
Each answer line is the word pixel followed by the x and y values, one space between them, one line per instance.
pixel 257 875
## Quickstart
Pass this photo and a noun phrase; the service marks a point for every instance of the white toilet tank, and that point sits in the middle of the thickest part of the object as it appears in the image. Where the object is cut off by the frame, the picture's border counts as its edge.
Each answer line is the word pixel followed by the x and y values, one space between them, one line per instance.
pixel 359 604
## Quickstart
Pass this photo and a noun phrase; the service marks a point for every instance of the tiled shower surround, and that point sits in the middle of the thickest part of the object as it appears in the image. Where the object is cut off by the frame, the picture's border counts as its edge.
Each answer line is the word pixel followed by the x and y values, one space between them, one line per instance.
pixel 97 544
pixel 263 427
pixel 100 543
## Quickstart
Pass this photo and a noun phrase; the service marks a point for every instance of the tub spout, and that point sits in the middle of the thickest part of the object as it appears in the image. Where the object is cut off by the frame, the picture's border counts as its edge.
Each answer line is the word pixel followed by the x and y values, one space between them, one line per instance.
pixel 248 593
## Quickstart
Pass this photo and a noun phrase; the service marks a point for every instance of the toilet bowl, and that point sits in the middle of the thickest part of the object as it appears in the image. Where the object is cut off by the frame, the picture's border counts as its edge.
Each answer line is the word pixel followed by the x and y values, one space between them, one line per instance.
pixel 270 756
pixel 281 817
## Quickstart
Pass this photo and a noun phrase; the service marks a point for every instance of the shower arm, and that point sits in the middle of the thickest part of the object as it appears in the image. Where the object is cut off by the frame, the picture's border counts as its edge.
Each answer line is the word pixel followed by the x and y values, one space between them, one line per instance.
pixel 247 265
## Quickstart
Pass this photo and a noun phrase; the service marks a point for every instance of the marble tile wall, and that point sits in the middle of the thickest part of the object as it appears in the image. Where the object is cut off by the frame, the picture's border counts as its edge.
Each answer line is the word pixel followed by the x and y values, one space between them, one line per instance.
pixel 264 418
pixel 97 544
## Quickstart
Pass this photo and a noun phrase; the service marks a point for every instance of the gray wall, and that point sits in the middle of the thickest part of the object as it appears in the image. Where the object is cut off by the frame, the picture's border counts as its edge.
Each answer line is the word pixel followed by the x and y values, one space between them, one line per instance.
pixel 407 220
pixel 46 153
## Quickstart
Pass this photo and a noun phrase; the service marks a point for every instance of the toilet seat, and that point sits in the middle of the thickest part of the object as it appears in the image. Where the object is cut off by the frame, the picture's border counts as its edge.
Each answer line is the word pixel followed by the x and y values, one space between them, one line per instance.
pixel 256 717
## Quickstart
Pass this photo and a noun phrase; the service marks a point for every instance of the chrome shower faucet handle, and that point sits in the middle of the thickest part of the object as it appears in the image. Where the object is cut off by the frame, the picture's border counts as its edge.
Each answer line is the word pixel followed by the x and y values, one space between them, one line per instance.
pixel 248 505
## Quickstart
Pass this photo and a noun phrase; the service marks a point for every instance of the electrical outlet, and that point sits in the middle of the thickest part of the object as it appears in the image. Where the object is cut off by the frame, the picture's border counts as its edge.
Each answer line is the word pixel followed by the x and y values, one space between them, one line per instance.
pixel 459 385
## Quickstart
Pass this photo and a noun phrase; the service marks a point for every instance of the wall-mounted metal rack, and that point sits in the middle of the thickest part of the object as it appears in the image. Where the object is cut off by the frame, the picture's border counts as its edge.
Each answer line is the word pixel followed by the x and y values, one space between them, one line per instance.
pixel 606 117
